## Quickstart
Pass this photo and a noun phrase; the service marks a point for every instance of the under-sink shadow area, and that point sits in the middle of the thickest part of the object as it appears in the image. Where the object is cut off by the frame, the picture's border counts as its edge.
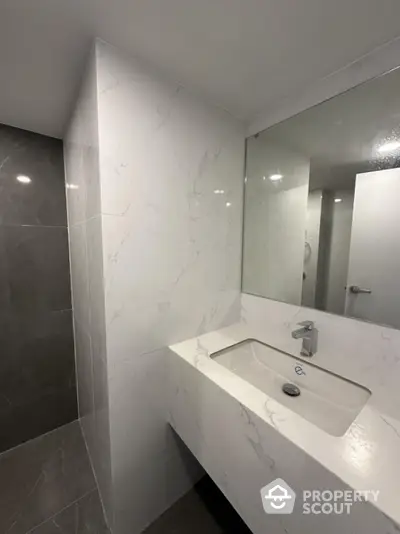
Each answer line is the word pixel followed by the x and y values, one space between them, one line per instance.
pixel 203 510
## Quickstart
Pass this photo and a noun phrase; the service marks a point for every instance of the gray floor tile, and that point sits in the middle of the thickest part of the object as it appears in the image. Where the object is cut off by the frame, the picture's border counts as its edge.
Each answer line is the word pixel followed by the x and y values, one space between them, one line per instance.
pixel 42 477
pixel 82 517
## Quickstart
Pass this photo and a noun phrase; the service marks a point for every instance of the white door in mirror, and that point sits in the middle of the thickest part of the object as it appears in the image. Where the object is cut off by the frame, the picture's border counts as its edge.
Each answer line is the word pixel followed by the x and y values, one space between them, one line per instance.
pixel 374 265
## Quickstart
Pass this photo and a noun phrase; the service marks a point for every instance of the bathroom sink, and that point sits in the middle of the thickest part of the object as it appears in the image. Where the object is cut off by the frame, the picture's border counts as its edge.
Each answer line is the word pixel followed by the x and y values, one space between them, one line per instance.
pixel 323 398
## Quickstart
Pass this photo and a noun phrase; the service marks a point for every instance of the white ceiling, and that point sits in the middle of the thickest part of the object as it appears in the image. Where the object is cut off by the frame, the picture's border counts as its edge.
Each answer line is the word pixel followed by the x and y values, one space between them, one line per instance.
pixel 239 54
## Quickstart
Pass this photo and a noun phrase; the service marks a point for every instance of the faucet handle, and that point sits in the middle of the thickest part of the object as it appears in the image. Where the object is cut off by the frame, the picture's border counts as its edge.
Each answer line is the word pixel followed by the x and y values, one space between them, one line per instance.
pixel 307 324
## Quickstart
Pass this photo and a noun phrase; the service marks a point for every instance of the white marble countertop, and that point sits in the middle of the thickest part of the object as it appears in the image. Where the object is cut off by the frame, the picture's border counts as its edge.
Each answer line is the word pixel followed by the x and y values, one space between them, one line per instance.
pixel 365 458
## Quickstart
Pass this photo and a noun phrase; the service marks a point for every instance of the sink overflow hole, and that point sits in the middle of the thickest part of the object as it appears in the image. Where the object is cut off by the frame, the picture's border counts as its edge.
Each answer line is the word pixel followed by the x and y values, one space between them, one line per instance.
pixel 291 390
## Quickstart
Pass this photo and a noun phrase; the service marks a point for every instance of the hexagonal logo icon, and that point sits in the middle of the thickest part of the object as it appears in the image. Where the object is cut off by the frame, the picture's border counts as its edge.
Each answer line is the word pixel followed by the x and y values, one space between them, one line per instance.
pixel 278 497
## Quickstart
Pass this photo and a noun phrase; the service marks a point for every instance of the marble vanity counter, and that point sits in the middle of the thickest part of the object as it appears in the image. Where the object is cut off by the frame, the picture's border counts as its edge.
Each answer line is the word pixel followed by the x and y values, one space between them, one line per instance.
pixel 364 458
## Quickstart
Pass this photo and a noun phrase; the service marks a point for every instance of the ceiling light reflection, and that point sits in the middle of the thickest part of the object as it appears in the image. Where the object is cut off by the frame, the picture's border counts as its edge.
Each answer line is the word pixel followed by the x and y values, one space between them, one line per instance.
pixel 389 147
pixel 24 179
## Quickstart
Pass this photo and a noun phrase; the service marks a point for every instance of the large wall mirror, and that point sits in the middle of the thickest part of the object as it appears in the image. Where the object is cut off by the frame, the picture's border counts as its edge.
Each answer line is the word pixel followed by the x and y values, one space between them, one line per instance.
pixel 322 206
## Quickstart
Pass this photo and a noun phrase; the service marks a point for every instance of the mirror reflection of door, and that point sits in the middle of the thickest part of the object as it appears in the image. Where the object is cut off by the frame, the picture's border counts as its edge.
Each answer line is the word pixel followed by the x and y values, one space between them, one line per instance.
pixel 374 260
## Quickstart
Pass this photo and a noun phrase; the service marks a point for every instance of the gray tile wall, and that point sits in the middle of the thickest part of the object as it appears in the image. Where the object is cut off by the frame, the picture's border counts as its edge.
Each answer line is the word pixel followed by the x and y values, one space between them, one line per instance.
pixel 37 369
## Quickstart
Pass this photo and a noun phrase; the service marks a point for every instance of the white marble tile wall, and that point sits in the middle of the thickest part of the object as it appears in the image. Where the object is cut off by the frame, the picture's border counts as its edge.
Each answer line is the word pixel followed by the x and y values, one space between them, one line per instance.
pixel 363 352
pixel 171 200
pixel 81 155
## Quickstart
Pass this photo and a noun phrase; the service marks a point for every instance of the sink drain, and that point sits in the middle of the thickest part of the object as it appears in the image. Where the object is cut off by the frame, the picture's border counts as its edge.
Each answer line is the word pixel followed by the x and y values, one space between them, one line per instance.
pixel 291 390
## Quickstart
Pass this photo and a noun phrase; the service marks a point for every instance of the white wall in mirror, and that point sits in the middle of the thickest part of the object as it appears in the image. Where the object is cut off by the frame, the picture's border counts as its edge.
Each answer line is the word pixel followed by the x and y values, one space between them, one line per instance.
pixel 275 220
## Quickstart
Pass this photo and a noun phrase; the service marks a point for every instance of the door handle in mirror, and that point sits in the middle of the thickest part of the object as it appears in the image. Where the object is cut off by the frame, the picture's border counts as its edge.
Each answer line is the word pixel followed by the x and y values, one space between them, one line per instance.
pixel 357 289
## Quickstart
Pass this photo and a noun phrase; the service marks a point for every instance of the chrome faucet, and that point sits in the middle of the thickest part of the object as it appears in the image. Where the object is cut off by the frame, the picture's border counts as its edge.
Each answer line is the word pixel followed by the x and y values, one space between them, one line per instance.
pixel 309 334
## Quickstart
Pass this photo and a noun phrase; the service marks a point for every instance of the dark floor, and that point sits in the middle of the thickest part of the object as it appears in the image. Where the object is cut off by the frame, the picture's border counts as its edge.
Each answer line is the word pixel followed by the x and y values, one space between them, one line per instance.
pixel 204 510
pixel 47 487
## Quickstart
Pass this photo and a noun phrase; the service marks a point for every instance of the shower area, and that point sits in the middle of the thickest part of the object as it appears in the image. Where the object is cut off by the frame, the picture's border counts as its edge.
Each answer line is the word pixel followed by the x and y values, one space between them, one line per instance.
pixel 46 480
pixel 37 370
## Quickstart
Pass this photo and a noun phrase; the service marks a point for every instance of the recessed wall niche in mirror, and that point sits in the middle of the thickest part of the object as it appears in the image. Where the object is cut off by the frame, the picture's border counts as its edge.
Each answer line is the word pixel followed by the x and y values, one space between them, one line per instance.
pixel 322 206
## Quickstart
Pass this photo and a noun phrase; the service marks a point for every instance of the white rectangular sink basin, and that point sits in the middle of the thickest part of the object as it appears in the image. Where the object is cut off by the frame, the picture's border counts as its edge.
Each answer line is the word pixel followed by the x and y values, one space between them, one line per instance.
pixel 326 399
